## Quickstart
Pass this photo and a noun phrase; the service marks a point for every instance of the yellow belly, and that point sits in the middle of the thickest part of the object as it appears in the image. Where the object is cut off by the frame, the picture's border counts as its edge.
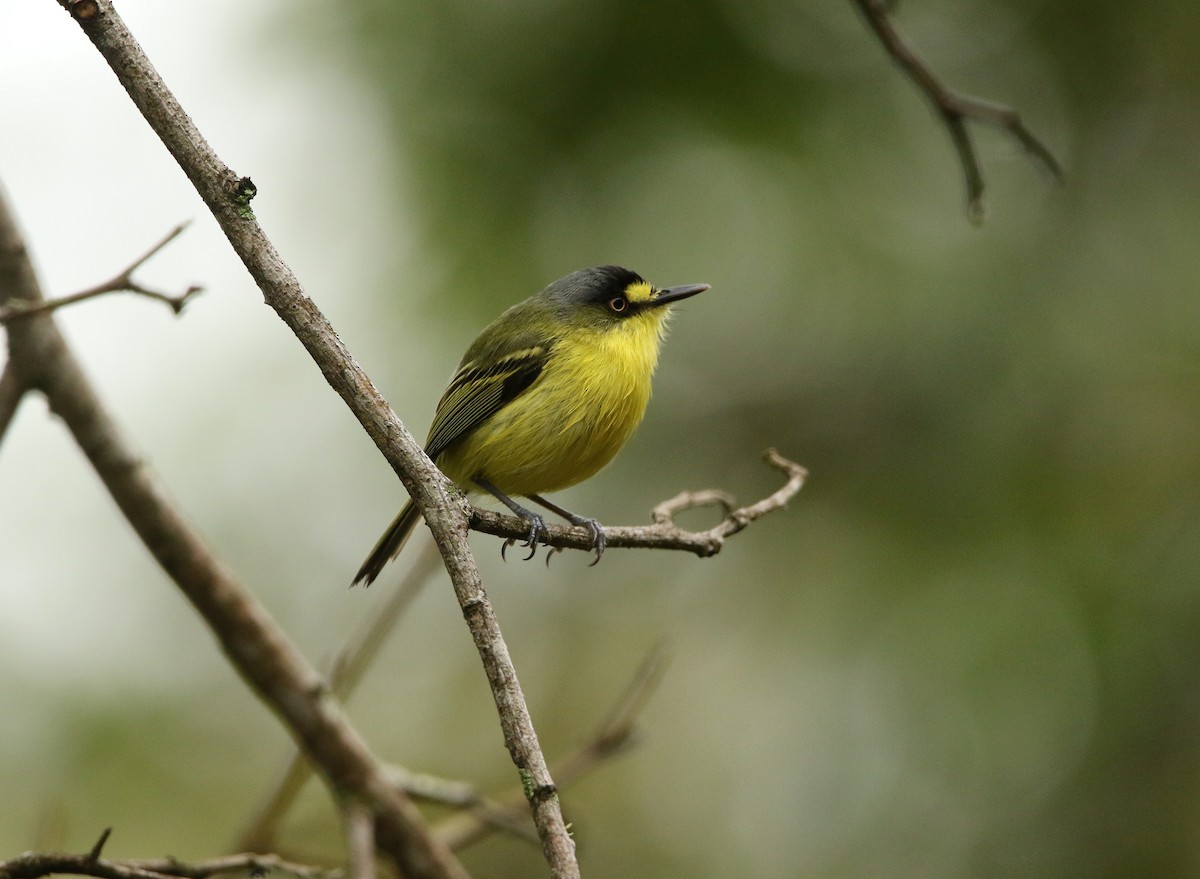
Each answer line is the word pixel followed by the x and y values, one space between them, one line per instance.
pixel 566 426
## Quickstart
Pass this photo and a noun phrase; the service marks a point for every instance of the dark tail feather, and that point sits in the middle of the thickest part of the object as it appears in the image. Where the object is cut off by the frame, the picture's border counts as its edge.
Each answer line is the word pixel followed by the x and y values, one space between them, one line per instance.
pixel 389 545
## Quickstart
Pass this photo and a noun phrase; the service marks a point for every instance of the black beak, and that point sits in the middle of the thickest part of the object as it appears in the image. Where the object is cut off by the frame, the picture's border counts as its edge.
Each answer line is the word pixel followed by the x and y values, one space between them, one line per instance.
pixel 674 294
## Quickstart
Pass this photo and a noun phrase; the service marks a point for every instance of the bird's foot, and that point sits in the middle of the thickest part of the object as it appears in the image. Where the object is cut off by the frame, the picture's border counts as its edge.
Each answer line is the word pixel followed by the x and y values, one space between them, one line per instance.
pixel 537 534
pixel 596 530
pixel 593 527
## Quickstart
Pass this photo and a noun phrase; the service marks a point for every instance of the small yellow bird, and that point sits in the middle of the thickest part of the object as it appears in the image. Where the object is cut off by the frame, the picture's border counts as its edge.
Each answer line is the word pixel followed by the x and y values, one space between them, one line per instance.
pixel 545 396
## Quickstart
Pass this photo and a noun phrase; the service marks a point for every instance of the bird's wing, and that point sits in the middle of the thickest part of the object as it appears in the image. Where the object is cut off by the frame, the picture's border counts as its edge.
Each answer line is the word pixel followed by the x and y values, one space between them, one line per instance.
pixel 479 390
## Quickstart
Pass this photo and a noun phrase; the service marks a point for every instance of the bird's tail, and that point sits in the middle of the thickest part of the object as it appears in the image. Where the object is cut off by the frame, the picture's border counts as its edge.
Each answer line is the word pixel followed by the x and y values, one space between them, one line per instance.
pixel 389 544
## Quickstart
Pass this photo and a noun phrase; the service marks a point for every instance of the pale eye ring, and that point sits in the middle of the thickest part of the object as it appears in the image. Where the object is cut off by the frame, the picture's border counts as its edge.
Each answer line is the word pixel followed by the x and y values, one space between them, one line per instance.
pixel 618 304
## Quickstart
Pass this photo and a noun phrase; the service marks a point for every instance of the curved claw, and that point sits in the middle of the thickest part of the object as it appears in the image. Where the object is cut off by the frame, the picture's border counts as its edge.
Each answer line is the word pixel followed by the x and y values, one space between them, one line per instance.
pixel 537 528
pixel 598 539
pixel 504 546
pixel 551 552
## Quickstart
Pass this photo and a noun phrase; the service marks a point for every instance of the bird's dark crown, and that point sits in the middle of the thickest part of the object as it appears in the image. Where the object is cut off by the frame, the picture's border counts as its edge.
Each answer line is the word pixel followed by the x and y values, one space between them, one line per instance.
pixel 597 284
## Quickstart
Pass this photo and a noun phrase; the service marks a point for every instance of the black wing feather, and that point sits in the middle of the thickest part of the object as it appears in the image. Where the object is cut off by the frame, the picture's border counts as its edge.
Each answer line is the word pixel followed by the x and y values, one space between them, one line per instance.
pixel 477 392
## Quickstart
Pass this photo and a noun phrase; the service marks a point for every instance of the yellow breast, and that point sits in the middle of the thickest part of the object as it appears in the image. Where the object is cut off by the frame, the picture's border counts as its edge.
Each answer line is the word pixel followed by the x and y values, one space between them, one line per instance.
pixel 568 424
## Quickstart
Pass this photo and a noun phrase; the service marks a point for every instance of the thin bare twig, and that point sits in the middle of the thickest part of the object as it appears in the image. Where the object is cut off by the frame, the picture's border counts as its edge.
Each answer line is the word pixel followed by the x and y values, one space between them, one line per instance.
pixel 259 864
pixel 613 735
pixel 956 109
pixel 360 840
pixel 664 533
pixel 33 865
pixel 122 282
pixel 510 819
pixel 350 666
pixel 360 651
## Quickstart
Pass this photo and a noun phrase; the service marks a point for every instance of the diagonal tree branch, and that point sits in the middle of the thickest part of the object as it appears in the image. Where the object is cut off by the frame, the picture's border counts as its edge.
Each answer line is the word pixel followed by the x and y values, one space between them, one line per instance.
pixel 444 508
pixel 252 641
pixel 956 109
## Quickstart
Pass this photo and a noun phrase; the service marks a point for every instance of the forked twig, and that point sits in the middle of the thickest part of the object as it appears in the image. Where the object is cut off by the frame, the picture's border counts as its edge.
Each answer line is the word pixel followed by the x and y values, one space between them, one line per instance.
pixel 122 282
pixel 33 865
pixel 956 109
pixel 663 533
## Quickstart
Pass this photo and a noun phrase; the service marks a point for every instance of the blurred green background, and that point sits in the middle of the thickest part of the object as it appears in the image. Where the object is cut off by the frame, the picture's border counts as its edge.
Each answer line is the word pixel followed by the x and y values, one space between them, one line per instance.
pixel 970 647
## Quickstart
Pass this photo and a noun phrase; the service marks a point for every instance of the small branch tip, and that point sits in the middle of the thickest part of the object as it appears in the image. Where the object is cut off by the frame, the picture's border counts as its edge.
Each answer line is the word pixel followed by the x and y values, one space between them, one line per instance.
pixel 956 109
pixel 122 282
pixel 94 854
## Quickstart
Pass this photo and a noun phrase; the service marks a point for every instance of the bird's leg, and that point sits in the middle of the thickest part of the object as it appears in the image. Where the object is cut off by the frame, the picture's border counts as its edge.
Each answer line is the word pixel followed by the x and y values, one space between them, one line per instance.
pixel 537 525
pixel 593 526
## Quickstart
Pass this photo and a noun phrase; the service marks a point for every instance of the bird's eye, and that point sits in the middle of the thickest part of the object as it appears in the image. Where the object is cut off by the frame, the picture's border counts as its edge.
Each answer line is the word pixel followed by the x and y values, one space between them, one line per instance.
pixel 618 304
